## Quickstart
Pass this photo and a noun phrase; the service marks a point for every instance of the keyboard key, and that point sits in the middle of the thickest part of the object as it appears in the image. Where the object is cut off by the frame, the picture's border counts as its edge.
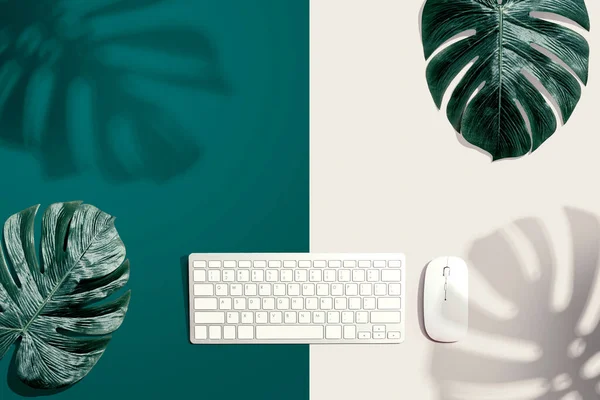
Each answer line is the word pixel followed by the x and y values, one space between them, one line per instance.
pixel 203 289
pixel 204 317
pixel 349 332
pixel 283 303
pixel 388 303
pixel 364 264
pixel 329 276
pixel 258 275
pixel 286 276
pixel 205 304
pixel 260 264
pixel 379 263
pixel 333 317
pixel 393 335
pixel 333 332
pixel 300 275
pixel 245 264
pixel 214 264
pixel 322 289
pixel 228 276
pixel 304 317
pixel 344 275
pixel 247 317
pixel 261 317
pixel 235 289
pixel 297 303
pixel 293 289
pixel 199 276
pixel 364 335
pixel 351 289
pixel 394 289
pixel 373 275
pixel 245 332
pixel 221 290
pixel 318 317
pixel 340 303
pixel 358 275
pixel 274 264
pixel 337 289
pixel 349 263
pixel 289 264
pixel 243 275
pixel 250 289
pixel 200 332
pixel 268 303
pixel 391 275
pixel 229 264
pixel 395 264
pixel 279 289
pixel 311 303
pixel 199 264
pixel 315 275
pixel 289 332
pixel 225 304
pixel 366 289
pixel 275 317
pixel 369 303
pixel 308 289
pixel 264 289
pixel 233 317
pixel 254 303
pixel 273 275
pixel 214 332
pixel 239 303
pixel 347 317
pixel 326 303
pixel 392 317
pixel 307 264
pixel 354 303
pixel 380 289
pixel 289 317
pixel 362 317
pixel 335 264
pixel 214 276
pixel 379 335
pixel 378 328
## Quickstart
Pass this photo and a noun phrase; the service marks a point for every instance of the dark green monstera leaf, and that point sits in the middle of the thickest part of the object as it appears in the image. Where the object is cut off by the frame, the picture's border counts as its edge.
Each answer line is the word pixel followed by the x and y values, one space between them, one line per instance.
pixel 53 310
pixel 519 59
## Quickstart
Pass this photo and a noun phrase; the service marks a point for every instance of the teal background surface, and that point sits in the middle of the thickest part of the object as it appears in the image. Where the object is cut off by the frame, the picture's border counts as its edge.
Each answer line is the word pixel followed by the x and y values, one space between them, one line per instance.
pixel 206 150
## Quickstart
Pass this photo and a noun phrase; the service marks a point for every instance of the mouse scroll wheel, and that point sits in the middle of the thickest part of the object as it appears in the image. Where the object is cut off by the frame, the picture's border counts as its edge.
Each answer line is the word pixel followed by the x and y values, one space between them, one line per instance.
pixel 446 271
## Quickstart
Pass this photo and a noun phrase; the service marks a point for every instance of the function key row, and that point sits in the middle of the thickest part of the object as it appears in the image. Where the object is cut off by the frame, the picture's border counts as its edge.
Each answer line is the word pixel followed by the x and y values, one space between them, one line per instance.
pixel 298 264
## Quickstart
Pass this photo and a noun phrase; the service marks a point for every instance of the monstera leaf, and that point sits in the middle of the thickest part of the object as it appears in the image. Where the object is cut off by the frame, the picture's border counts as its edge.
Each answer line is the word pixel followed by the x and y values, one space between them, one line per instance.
pixel 517 64
pixel 53 310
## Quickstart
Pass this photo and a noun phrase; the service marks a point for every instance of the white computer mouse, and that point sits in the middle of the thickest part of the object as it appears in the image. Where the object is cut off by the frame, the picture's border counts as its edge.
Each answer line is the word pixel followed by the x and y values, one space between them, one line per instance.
pixel 446 299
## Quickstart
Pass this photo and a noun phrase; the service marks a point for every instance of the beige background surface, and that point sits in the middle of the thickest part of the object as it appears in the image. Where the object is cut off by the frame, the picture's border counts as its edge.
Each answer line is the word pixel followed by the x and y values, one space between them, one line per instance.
pixel 389 174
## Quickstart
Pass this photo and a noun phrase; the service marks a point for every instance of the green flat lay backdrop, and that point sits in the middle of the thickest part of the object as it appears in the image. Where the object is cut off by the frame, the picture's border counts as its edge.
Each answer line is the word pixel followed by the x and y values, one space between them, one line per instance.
pixel 246 188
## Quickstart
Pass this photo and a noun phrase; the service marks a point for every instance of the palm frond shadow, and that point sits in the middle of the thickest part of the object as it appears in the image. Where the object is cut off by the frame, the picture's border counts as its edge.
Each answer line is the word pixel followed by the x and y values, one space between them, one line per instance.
pixel 554 332
pixel 73 77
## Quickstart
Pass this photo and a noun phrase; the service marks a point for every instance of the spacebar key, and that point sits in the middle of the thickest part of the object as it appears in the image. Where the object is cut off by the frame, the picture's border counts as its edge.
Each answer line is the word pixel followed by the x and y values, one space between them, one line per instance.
pixel 289 332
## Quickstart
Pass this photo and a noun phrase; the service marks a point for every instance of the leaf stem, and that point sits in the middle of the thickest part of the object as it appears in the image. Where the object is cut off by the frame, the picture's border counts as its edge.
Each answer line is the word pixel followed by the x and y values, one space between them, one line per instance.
pixel 500 51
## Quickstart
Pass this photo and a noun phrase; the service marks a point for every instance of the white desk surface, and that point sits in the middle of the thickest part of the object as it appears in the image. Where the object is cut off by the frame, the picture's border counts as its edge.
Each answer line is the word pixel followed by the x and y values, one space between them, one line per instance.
pixel 389 174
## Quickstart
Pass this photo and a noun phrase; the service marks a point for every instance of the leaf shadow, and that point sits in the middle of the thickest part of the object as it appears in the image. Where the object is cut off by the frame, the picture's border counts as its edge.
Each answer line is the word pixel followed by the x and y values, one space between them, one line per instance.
pixel 82 85
pixel 457 370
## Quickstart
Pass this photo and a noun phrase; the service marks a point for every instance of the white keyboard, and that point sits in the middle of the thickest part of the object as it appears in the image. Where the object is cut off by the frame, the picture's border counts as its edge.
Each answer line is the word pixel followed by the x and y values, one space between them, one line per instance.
pixel 296 298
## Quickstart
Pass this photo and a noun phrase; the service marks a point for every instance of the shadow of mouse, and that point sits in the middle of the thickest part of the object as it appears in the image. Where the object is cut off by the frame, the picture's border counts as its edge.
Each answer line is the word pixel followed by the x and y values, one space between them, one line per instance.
pixel 83 85
pixel 524 347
